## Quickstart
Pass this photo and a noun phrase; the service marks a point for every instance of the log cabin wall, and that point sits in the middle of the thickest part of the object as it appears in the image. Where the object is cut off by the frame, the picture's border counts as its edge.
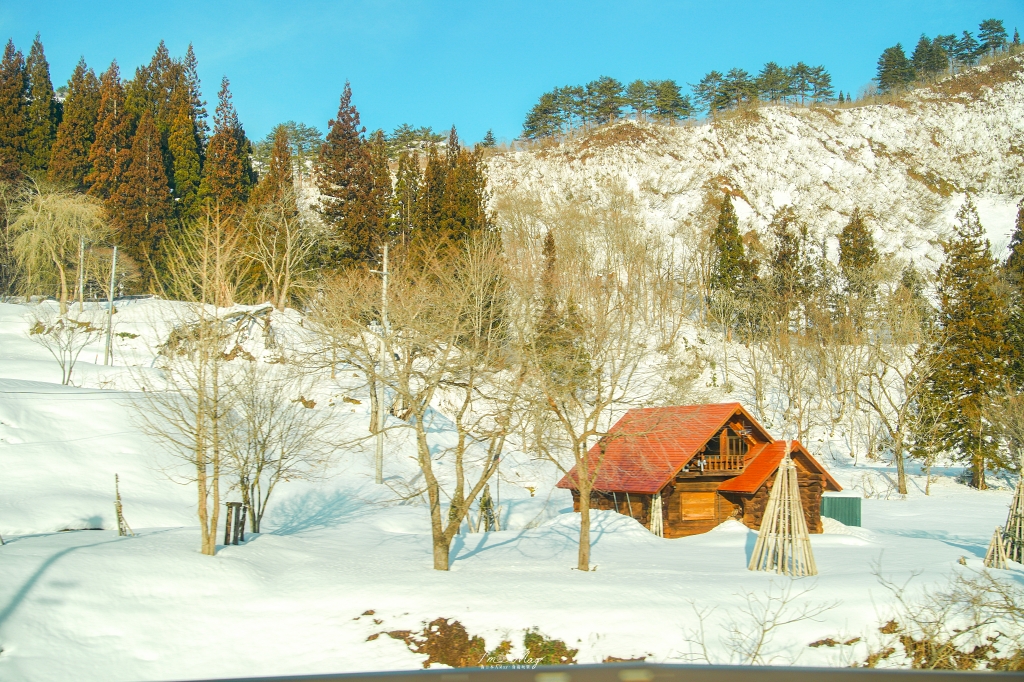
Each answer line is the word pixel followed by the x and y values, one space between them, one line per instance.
pixel 695 506
pixel 636 505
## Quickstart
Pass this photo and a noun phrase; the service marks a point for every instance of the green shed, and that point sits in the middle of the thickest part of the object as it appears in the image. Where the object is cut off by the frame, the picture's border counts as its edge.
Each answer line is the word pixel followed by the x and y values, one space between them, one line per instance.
pixel 844 509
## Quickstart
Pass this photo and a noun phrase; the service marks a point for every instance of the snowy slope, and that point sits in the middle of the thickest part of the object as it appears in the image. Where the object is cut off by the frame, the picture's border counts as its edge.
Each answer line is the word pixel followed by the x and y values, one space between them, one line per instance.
pixel 906 165
pixel 87 605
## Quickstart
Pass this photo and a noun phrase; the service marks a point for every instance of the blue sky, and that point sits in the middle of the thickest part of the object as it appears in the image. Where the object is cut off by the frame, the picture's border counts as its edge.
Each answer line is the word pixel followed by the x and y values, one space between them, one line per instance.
pixel 476 64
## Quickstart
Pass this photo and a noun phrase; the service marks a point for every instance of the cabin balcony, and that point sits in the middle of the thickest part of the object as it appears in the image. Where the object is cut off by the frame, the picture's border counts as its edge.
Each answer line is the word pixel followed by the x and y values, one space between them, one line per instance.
pixel 704 465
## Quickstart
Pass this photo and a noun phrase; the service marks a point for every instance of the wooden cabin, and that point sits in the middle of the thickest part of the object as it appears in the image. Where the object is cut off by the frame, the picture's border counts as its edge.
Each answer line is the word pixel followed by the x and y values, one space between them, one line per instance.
pixel 709 463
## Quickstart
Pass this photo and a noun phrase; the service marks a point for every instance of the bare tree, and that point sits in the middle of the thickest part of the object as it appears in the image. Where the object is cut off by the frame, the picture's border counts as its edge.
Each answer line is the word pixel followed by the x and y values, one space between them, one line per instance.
pixel 189 411
pixel 63 337
pixel 275 433
pixel 585 339
pixel 446 331
pixel 49 229
pixel 897 373
pixel 280 242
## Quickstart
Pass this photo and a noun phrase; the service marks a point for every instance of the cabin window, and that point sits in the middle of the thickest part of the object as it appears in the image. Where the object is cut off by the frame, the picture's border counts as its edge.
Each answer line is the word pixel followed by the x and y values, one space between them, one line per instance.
pixel 736 445
pixel 697 506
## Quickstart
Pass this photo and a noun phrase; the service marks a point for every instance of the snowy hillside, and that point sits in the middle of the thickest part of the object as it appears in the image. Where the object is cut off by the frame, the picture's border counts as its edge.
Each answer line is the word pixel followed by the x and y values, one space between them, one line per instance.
pixel 342 560
pixel 905 164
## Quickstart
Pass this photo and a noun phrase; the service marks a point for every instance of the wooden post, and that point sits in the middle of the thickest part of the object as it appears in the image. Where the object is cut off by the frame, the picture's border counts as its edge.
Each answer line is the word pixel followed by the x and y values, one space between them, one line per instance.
pixel 241 530
pixel 384 350
pixel 238 509
pixel 783 543
pixel 995 557
pixel 123 529
pixel 227 525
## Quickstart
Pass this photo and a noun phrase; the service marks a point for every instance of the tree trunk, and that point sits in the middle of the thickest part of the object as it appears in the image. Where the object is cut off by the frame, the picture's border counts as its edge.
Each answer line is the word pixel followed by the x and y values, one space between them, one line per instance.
pixel 901 469
pixel 583 560
pixel 978 474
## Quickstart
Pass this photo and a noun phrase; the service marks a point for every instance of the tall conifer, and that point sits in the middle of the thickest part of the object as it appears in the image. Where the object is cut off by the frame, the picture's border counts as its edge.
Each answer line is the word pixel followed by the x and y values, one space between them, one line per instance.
pixel 141 209
pixel 190 67
pixel 228 176
pixel 971 358
pixel 381 191
pixel 43 112
pixel 730 264
pixel 183 146
pixel 432 195
pixel 109 154
pixel 13 112
pixel 277 177
pixel 405 212
pixel 345 179
pixel 69 160
pixel 857 255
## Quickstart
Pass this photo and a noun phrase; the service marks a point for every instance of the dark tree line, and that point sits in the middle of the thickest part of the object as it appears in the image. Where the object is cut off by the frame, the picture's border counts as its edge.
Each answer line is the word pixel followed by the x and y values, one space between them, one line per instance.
pixel 944 54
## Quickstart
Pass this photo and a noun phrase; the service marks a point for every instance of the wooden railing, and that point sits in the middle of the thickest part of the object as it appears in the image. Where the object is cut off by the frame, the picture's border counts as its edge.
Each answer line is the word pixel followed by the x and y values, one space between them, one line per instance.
pixel 716 464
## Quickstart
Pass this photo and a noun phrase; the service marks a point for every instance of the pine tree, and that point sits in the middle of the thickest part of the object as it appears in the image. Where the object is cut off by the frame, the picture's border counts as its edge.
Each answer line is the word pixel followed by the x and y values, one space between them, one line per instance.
pixel 604 99
pixel 640 97
pixel 1016 37
pixel 968 49
pixel 380 197
pixel 488 140
pixel 773 83
pixel 227 175
pixel 190 67
pixel 993 36
pixel 857 256
pixel 970 359
pixel 69 160
pixel 277 177
pixel 841 100
pixel 711 93
pixel 153 89
pixel 13 113
pixel 42 111
pixel 345 179
pixel 1013 270
pixel 142 208
pixel 821 84
pixel 109 154
pixel 730 264
pixel 737 87
pixel 895 71
pixel 405 212
pixel 183 146
pixel 463 210
pixel 669 102
pixel 543 120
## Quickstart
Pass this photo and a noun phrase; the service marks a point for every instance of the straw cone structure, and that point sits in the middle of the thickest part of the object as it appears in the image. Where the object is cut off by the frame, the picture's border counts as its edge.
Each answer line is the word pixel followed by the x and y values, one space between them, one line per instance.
pixel 1013 538
pixel 657 523
pixel 783 543
pixel 995 557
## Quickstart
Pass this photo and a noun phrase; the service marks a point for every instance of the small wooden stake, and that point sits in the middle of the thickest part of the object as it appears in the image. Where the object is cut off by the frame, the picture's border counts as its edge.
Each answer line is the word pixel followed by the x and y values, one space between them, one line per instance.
pixel 995 557
pixel 1013 538
pixel 123 529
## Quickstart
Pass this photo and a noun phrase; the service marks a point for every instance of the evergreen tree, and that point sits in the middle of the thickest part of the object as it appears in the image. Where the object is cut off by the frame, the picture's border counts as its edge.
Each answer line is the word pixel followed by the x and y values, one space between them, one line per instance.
pixel 801 81
pixel 153 89
pixel 346 182
pixel 992 35
pixel 924 59
pixel 1015 261
pixel 488 140
pixel 970 363
pixel 857 256
pixel 432 195
pixel 276 178
pixel 730 264
pixel 42 111
pixel 543 119
pixel 711 93
pixel 405 212
pixel 381 190
pixel 109 154
pixel 604 99
pixel 464 211
pixel 895 71
pixel 738 87
pixel 1013 270
pixel 841 100
pixel 69 159
pixel 13 113
pixel 190 72
pixel 141 208
pixel 774 83
pixel 968 49
pixel 227 175
pixel 948 44
pixel 640 97
pixel 821 84
pixel 669 103
pixel 786 263
pixel 184 147
pixel 1016 37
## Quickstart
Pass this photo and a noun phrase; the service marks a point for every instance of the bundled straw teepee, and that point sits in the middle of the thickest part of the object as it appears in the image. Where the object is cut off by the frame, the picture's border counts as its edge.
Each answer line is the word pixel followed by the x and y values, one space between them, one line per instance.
pixel 1013 537
pixel 783 543
pixel 995 557
pixel 657 522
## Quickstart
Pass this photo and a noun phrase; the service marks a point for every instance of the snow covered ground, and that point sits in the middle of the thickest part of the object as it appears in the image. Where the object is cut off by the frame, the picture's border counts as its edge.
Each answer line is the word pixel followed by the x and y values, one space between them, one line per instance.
pixel 87 605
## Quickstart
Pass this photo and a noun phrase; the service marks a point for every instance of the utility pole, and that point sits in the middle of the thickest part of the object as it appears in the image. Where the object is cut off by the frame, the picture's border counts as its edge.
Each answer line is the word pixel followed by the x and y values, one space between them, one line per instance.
pixel 107 352
pixel 81 274
pixel 382 372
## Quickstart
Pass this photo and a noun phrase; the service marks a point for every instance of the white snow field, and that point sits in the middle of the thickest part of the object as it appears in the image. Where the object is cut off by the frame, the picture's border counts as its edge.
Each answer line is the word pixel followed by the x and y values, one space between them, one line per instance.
pixel 88 605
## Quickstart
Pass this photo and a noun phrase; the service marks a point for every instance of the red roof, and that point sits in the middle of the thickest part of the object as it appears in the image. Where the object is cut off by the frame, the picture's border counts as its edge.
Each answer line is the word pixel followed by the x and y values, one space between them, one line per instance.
pixel 766 462
pixel 647 448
